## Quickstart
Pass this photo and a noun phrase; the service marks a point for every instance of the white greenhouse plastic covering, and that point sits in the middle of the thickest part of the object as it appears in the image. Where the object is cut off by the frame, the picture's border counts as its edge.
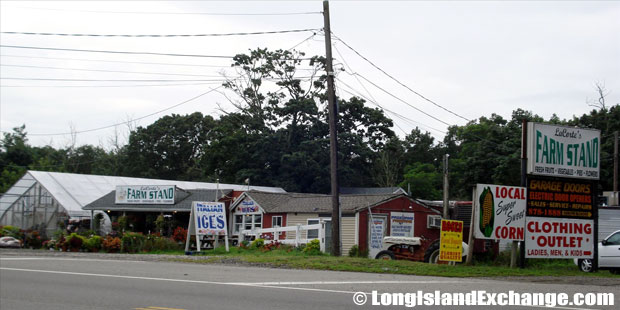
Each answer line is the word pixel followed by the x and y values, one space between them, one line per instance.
pixel 38 195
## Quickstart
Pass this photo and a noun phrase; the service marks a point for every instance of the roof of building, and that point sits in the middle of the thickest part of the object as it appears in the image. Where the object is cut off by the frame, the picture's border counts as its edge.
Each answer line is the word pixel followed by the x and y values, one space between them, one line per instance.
pixel 313 203
pixel 74 191
pixel 371 190
pixel 182 201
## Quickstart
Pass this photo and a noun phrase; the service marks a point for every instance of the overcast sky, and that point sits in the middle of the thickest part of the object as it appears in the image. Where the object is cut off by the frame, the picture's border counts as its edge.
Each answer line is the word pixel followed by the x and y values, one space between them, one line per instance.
pixel 472 58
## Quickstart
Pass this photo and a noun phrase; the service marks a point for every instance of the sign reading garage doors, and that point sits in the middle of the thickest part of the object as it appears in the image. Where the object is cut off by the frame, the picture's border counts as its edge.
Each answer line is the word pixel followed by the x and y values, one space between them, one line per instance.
pixel 145 194
pixel 560 219
pixel 566 152
pixel 499 212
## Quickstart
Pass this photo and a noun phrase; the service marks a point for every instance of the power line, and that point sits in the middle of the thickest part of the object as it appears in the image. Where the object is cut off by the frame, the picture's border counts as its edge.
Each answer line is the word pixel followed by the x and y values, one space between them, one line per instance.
pixel 401 100
pixel 118 61
pixel 100 86
pixel 114 52
pixel 133 120
pixel 397 81
pixel 381 107
pixel 157 35
pixel 113 71
pixel 172 13
pixel 104 80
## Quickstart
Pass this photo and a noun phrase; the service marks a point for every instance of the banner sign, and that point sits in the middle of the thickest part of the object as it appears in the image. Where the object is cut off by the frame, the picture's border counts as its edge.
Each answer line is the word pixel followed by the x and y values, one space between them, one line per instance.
pixel 560 151
pixel 147 194
pixel 451 241
pixel 499 212
pixel 209 217
pixel 377 227
pixel 559 198
pixel 401 224
pixel 559 238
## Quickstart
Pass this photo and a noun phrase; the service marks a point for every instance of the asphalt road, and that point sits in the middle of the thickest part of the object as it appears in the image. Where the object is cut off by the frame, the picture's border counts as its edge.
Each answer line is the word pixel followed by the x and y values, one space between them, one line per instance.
pixel 57 282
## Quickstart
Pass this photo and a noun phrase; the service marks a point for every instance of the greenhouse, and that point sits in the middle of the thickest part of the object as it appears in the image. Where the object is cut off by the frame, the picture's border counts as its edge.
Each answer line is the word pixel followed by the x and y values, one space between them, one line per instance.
pixel 47 201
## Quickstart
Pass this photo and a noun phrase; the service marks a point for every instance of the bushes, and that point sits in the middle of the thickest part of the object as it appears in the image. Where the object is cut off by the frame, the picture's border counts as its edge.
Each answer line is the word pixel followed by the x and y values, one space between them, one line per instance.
pixel 355 252
pixel 112 244
pixel 93 244
pixel 158 243
pixel 74 242
pixel 257 243
pixel 132 242
pixel 179 234
pixel 11 231
pixel 313 247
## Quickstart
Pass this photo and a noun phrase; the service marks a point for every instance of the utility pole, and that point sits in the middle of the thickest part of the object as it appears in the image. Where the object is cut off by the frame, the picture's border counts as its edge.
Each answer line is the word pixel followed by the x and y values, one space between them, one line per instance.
pixel 333 134
pixel 616 163
pixel 446 201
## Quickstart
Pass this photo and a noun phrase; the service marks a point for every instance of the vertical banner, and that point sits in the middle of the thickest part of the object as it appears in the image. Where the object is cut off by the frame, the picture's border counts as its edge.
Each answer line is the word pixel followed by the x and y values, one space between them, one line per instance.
pixel 401 224
pixel 499 212
pixel 377 230
pixel 451 241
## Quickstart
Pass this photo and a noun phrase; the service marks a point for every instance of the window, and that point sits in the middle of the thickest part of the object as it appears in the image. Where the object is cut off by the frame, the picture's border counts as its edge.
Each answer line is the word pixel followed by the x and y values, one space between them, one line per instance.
pixel 238 223
pixel 276 221
pixel 313 233
pixel 614 239
pixel 433 221
pixel 247 222
pixel 258 220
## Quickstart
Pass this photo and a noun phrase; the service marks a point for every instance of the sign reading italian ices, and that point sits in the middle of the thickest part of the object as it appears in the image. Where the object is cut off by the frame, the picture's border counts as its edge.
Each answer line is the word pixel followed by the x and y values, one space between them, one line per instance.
pixel 145 194
pixel 499 212
pixel 559 238
pixel 209 217
pixel 563 151
pixel 401 224
pixel 451 241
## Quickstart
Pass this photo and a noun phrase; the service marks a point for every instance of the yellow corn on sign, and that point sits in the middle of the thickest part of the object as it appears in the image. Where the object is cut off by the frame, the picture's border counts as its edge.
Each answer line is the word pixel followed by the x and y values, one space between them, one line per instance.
pixel 451 241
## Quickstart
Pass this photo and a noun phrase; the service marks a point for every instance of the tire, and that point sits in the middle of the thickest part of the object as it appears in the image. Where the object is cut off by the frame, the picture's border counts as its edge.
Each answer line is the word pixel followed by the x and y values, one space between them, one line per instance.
pixel 431 255
pixel 386 254
pixel 586 265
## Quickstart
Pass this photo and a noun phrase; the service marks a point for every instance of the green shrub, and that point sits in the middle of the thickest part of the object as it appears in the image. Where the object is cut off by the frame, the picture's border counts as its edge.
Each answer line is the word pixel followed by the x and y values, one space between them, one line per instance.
pixel 12 231
pixel 33 239
pixel 313 247
pixel 132 242
pixel 94 243
pixel 74 241
pixel 158 243
pixel 354 251
pixel 257 243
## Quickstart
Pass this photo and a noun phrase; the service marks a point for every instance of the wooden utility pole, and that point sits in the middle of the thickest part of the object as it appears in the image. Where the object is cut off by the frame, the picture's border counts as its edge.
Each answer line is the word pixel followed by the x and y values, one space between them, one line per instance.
pixel 616 163
pixel 333 134
pixel 446 187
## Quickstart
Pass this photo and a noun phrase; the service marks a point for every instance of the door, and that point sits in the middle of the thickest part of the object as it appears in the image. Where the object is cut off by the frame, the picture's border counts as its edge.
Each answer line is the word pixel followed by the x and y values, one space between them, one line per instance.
pixel 376 231
pixel 609 253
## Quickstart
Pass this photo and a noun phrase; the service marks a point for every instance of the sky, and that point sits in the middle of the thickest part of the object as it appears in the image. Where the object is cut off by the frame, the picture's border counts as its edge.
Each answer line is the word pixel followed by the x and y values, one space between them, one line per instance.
pixel 460 60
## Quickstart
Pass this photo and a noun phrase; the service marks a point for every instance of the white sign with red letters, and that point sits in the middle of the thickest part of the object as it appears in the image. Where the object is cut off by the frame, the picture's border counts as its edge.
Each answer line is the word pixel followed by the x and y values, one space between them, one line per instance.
pixel 559 238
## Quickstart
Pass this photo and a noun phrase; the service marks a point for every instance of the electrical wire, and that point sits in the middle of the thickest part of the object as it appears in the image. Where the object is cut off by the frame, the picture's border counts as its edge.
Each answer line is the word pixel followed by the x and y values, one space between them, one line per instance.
pixel 113 71
pixel 397 81
pixel 158 35
pixel 103 80
pixel 133 120
pixel 171 13
pixel 119 61
pixel 113 52
pixel 103 86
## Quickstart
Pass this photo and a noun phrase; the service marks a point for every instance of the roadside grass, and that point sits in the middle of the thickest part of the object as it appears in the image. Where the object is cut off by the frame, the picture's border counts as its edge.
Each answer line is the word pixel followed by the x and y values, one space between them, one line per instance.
pixel 296 259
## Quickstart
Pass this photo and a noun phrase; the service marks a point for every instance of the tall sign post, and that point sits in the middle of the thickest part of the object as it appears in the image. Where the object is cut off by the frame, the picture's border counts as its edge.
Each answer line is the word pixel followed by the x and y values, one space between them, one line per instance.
pixel 563 166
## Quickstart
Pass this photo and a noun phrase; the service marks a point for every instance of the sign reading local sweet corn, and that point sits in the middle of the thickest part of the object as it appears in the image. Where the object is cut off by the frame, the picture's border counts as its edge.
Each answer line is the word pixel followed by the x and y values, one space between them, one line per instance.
pixel 560 151
pixel 451 241
pixel 499 212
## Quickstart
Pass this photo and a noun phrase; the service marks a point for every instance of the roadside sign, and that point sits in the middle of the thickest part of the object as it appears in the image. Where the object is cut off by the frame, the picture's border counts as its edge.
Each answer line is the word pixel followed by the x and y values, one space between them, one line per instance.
pixel 401 224
pixel 499 212
pixel 559 238
pixel 145 194
pixel 561 151
pixel 560 198
pixel 451 241
pixel 207 219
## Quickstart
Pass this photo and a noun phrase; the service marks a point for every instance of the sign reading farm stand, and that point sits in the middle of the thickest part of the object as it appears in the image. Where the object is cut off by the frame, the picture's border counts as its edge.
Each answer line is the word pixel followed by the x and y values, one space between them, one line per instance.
pixel 145 194
pixel 499 212
pixel 566 152
pixel 401 224
pixel 451 241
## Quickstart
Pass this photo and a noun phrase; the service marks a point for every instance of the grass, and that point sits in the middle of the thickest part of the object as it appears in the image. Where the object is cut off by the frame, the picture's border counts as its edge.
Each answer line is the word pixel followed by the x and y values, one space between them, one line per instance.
pixel 298 260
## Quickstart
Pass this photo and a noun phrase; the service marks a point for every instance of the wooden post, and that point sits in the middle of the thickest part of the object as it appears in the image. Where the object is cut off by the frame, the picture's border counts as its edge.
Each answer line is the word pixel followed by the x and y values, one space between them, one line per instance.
pixel 470 242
